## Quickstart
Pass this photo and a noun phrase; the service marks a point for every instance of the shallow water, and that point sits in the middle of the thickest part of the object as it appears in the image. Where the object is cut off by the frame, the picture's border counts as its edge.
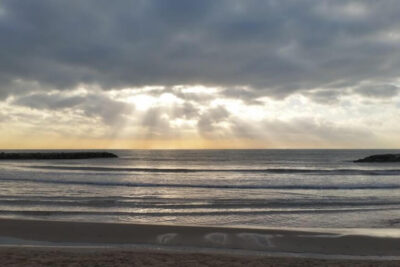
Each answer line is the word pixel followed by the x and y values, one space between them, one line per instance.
pixel 269 188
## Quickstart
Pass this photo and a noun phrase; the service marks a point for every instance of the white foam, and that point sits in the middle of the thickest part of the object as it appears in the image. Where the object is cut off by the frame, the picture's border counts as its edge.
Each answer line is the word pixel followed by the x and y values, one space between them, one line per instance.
pixel 166 238
pixel 217 238
pixel 262 240
pixel 321 236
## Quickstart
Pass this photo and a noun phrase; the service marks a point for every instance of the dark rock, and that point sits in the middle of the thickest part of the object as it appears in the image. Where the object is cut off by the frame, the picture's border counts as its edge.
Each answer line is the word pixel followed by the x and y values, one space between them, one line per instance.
pixel 381 158
pixel 55 155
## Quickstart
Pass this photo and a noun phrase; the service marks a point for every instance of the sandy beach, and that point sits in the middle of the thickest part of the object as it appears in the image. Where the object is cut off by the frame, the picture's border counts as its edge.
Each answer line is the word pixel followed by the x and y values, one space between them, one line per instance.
pixel 54 243
pixel 121 257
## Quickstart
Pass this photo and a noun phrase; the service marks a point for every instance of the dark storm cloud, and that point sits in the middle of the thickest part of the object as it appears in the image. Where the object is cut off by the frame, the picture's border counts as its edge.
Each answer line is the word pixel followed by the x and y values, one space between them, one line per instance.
pixel 276 47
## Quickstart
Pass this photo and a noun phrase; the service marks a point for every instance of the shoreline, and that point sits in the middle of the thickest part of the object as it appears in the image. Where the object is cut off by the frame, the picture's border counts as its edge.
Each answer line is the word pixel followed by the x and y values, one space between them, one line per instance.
pixel 36 256
pixel 60 243
pixel 255 241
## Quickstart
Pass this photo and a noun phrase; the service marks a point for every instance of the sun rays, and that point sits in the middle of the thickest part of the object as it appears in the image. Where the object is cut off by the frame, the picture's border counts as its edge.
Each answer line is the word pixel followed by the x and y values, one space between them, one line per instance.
pixel 191 116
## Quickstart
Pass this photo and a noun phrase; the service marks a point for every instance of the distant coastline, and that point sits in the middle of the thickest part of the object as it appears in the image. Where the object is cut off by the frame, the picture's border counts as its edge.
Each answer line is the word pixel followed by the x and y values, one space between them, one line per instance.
pixel 55 155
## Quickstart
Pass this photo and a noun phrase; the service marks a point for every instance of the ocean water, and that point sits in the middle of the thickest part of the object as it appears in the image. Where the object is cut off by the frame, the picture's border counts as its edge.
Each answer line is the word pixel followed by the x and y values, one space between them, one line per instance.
pixel 260 188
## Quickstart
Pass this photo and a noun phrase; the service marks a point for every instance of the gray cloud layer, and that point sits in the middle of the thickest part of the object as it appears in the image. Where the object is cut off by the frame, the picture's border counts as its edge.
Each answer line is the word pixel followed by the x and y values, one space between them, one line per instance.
pixel 278 47
pixel 68 59
pixel 92 105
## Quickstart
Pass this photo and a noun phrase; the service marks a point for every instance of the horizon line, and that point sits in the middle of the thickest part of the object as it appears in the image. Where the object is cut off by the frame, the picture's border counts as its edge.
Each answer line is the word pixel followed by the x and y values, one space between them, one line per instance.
pixel 7 149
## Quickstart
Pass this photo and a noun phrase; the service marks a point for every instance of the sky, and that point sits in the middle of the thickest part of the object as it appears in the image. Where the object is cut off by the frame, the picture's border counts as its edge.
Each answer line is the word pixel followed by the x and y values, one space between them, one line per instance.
pixel 199 74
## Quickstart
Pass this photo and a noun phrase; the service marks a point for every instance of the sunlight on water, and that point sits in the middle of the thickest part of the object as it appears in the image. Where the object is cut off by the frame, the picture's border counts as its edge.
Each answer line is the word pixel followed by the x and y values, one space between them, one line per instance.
pixel 263 188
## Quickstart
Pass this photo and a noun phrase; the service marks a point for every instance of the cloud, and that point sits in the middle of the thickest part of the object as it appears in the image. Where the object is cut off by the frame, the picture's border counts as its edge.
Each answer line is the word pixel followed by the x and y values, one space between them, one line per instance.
pixel 308 131
pixel 209 123
pixel 378 91
pixel 294 122
pixel 48 101
pixel 156 123
pixel 275 47
pixel 111 111
pixel 245 94
pixel 185 111
pixel 270 71
pixel 92 105
pixel 297 132
pixel 328 96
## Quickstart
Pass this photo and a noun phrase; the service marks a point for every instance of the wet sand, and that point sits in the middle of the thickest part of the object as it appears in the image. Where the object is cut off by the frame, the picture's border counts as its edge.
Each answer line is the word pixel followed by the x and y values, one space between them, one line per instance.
pixel 56 243
pixel 121 257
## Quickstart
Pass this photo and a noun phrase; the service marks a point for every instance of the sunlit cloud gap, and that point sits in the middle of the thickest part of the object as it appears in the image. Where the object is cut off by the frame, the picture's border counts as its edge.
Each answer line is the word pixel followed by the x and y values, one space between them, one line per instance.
pixel 175 117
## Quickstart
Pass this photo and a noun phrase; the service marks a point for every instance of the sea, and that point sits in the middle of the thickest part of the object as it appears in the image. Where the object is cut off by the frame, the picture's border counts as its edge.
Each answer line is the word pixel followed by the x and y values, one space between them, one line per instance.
pixel 251 188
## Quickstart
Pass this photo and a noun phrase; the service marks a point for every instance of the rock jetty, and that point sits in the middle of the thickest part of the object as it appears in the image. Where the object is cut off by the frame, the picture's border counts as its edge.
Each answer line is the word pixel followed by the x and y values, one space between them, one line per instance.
pixel 381 158
pixel 55 155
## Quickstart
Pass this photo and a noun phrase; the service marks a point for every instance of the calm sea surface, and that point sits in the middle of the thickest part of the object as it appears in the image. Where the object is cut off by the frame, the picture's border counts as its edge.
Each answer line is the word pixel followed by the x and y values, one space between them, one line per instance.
pixel 269 188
